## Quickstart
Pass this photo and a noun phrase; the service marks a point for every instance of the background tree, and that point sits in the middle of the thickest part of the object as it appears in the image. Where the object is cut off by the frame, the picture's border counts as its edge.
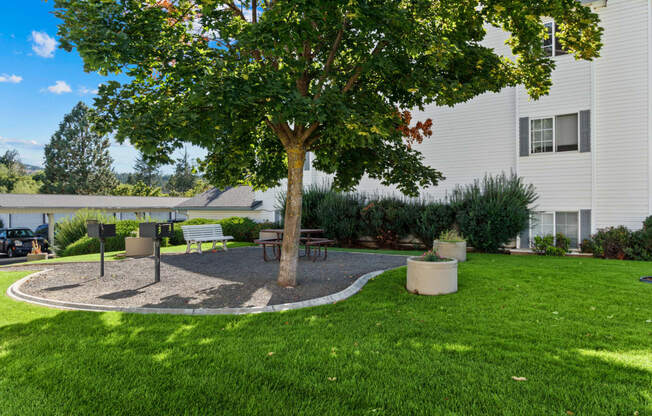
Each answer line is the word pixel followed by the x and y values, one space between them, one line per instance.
pixel 11 160
pixel 183 178
pixel 77 159
pixel 147 171
pixel 13 175
pixel 260 83
pixel 138 189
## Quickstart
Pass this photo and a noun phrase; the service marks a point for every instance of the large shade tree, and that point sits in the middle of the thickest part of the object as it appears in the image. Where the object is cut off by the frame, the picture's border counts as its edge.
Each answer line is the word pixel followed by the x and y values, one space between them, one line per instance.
pixel 260 83
pixel 77 159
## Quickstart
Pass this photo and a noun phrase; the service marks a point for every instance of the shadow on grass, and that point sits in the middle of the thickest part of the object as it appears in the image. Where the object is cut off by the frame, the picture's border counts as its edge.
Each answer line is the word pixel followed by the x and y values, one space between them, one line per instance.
pixel 381 352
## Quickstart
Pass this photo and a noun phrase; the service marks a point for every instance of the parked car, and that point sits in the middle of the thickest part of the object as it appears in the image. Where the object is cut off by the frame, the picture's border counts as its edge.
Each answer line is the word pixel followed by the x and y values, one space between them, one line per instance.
pixel 42 231
pixel 18 241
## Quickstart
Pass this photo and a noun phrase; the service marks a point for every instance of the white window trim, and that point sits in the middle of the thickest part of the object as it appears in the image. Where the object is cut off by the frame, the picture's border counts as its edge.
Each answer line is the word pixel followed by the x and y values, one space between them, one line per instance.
pixel 554 225
pixel 554 133
pixel 554 40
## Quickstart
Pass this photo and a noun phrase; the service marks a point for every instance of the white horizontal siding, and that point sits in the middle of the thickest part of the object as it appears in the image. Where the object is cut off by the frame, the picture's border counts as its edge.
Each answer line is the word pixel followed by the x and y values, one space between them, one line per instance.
pixel 570 91
pixel 468 141
pixel 562 180
pixel 621 137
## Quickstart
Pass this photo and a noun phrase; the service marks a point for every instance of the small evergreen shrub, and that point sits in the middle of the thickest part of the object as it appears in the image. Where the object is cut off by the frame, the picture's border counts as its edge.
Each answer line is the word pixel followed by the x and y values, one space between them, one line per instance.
pixel 339 216
pixel 431 220
pixel 493 211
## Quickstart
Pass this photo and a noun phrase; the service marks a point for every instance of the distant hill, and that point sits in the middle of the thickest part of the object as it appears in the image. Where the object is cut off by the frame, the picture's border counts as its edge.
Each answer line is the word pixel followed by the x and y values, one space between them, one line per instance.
pixel 31 168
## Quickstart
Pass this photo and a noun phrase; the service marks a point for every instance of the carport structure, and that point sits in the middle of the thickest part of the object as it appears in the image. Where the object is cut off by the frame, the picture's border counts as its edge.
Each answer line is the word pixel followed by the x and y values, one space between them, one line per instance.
pixel 49 205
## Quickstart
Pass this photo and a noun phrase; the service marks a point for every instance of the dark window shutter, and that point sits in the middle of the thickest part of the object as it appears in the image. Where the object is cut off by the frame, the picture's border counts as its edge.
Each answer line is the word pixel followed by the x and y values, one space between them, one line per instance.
pixel 585 131
pixel 525 237
pixel 585 224
pixel 524 136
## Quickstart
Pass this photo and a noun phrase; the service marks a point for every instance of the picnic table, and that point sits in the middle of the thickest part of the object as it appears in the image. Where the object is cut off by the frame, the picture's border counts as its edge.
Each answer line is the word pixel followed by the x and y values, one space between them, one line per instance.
pixel 308 238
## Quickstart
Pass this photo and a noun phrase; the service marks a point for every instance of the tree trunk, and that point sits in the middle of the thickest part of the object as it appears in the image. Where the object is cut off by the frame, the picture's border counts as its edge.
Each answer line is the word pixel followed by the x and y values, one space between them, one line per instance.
pixel 287 274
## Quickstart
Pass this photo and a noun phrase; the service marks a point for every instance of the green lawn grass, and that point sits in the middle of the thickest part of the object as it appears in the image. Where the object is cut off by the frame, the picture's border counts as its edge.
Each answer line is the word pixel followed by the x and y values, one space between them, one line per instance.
pixel 579 331
pixel 111 255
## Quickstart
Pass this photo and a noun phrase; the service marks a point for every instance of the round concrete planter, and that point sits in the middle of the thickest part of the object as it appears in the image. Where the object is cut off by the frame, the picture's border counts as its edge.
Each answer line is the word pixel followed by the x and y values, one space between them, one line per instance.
pixel 431 277
pixel 450 250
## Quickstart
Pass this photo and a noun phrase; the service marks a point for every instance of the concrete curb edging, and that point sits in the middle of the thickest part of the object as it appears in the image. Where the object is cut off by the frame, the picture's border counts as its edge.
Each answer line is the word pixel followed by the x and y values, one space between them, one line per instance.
pixel 15 293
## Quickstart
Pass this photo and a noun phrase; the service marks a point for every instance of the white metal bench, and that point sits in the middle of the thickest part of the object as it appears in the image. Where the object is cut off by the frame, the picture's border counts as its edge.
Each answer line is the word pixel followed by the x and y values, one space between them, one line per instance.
pixel 197 234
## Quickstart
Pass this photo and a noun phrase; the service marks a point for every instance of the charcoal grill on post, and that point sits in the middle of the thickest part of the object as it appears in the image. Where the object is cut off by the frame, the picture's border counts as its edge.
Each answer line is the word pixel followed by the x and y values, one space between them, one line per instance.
pixel 156 231
pixel 96 229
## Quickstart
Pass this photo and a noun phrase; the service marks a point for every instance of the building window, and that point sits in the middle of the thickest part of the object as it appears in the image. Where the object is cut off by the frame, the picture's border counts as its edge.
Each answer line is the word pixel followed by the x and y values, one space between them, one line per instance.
pixel 306 163
pixel 543 224
pixel 566 133
pixel 541 135
pixel 551 45
pixel 567 223
pixel 559 133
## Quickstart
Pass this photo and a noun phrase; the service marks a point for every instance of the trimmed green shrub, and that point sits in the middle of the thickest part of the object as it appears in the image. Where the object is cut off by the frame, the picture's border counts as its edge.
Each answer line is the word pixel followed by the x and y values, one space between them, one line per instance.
pixel 70 230
pixel 242 229
pixel 492 211
pixel 432 220
pixel 551 246
pixel 88 245
pixel 178 232
pixel 339 216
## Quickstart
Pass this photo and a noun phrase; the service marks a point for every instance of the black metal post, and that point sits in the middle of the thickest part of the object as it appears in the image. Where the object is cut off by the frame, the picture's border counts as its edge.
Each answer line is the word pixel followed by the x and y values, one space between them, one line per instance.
pixel 101 257
pixel 157 253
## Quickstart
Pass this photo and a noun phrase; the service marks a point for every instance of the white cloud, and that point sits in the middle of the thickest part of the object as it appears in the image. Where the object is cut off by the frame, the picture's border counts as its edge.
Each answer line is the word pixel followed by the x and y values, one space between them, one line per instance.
pixel 83 90
pixel 59 87
pixel 28 144
pixel 12 79
pixel 43 45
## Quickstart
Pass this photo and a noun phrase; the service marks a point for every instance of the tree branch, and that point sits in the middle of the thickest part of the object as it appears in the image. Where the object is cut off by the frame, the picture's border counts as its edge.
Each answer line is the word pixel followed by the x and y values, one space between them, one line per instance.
pixel 330 60
pixel 309 131
pixel 236 10
pixel 254 11
pixel 359 68
pixel 279 133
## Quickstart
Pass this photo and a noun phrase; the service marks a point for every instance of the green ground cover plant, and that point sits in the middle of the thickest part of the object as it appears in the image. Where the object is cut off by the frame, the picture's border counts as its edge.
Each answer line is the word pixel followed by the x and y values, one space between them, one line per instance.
pixel 524 335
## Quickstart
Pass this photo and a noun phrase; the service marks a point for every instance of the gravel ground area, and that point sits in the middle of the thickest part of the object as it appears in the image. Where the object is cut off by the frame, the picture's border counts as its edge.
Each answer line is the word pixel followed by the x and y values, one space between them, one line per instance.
pixel 237 278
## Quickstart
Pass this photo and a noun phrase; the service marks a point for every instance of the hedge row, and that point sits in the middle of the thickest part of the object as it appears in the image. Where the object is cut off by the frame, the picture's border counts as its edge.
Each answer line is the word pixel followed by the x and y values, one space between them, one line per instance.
pixel 242 229
pixel 622 243
pixel 488 213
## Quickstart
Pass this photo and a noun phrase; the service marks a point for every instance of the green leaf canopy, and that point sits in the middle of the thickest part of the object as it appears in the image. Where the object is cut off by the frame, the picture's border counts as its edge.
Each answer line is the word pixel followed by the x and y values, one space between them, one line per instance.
pixel 249 81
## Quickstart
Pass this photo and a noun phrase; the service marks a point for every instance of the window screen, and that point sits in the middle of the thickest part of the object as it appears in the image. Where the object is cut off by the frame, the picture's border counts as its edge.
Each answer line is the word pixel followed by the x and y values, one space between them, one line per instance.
pixel 566 132
pixel 542 224
pixel 568 225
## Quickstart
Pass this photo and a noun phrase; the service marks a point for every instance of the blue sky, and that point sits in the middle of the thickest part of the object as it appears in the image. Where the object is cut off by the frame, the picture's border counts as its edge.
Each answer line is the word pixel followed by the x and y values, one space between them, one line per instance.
pixel 40 83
